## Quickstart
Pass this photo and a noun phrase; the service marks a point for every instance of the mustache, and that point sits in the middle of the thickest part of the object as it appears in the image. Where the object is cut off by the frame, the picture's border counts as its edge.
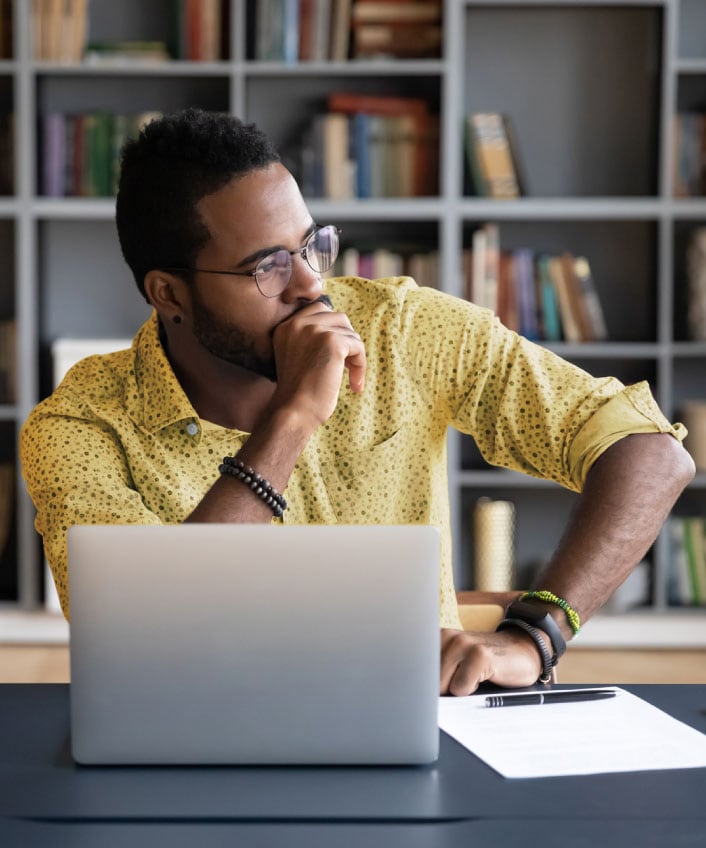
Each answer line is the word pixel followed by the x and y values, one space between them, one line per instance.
pixel 325 299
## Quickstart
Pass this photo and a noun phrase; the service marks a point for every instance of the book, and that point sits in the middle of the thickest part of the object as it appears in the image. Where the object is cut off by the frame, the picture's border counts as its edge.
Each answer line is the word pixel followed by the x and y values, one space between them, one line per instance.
pixel 489 156
pixel 322 30
pixel 507 305
pixel 592 309
pixel 679 580
pixel 125 52
pixel 551 321
pixel 340 30
pixel 570 327
pixel 397 40
pixel 525 289
pixel 360 153
pixel 306 30
pixel 577 301
pixel 277 31
pixel 695 547
pixel 416 12
pixel 337 165
pixel 53 171
pixel 58 29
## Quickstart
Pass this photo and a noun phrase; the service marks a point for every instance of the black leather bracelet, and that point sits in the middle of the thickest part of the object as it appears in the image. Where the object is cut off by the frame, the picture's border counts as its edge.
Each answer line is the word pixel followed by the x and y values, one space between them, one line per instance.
pixel 518 623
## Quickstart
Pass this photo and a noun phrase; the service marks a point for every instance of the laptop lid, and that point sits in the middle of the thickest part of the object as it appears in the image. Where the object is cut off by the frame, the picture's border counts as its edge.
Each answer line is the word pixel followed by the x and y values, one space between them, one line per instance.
pixel 225 643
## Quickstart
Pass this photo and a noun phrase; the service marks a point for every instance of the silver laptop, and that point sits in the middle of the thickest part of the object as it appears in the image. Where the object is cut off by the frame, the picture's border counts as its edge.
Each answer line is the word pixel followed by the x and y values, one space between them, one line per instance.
pixel 245 644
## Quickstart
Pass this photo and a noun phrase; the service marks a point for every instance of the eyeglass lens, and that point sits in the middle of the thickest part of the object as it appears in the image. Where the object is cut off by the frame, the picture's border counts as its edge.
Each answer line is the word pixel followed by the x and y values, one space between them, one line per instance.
pixel 320 251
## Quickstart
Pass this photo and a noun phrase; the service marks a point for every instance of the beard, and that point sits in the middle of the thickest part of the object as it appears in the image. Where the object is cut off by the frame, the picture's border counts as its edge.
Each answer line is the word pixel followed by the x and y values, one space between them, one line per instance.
pixel 232 344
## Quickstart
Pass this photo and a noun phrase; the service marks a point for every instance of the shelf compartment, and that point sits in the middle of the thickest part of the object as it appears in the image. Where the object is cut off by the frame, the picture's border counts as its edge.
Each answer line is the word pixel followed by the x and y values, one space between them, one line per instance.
pixel 623 259
pixel 594 129
pixel 285 111
pixel 80 264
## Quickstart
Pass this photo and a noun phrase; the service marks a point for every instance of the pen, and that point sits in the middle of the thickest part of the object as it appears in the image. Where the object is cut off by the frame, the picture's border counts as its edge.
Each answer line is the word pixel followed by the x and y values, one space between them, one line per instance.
pixel 563 697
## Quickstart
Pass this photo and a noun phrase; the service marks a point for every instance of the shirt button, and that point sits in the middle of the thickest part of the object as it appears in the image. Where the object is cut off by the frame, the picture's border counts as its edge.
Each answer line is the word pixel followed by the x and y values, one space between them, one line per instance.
pixel 192 429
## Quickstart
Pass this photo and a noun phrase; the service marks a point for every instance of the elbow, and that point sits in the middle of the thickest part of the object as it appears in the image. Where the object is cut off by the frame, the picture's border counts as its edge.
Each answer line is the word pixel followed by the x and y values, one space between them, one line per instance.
pixel 685 467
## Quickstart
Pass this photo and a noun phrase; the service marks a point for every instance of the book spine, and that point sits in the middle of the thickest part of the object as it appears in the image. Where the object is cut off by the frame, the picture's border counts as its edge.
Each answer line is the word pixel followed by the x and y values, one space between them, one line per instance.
pixel 492 150
pixel 524 276
pixel 591 302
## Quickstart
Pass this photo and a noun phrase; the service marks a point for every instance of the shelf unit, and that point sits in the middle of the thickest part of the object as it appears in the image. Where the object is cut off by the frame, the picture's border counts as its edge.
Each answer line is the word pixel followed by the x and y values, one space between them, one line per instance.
pixel 592 86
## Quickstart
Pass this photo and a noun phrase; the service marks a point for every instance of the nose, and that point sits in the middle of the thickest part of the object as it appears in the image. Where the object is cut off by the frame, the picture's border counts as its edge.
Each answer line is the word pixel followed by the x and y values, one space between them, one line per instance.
pixel 305 283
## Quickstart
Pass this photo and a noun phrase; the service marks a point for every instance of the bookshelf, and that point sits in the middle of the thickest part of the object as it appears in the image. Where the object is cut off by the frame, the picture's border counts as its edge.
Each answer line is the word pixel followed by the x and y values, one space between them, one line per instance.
pixel 592 87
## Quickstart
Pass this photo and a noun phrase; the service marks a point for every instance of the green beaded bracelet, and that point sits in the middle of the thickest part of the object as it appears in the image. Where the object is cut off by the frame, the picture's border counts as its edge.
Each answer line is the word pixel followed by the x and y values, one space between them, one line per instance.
pixel 571 615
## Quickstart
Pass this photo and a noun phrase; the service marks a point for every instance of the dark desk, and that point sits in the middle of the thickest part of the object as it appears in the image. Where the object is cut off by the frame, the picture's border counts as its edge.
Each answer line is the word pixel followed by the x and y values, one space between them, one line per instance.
pixel 45 799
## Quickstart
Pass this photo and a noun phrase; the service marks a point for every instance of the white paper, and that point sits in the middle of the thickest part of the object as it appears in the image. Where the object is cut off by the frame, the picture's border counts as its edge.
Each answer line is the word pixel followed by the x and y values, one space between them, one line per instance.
pixel 624 733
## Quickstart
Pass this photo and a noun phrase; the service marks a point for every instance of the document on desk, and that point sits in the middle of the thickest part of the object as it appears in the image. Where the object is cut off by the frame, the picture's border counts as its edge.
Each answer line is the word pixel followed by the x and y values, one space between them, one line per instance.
pixel 618 734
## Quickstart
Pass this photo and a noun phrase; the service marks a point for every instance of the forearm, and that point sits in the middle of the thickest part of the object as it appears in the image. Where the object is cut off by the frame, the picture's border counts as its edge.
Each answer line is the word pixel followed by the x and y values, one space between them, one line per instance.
pixel 629 492
pixel 272 451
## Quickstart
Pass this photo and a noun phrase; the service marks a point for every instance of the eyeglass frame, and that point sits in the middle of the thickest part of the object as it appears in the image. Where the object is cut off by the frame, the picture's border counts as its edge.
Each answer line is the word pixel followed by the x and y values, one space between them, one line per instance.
pixel 301 251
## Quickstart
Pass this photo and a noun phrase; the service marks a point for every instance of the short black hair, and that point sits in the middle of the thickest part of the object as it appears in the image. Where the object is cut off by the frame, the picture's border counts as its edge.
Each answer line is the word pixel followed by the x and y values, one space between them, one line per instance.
pixel 175 161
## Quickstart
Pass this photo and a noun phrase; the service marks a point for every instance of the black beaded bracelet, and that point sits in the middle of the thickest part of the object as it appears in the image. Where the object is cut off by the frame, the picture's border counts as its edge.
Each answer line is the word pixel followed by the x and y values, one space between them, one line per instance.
pixel 547 664
pixel 256 483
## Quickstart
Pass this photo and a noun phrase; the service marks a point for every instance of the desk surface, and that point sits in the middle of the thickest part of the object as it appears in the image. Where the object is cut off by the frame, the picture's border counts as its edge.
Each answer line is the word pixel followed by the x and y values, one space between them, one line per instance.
pixel 455 800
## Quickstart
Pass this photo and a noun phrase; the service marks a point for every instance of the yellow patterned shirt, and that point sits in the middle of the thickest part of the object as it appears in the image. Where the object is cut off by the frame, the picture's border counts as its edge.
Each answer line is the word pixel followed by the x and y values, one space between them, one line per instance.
pixel 118 442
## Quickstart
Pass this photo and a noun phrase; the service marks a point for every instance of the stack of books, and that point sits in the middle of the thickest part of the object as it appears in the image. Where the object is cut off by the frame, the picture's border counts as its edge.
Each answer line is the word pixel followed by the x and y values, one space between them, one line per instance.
pixel 80 153
pixel 371 146
pixel 541 296
pixel 59 29
pixel 377 263
pixel 302 30
pixel 336 30
pixel 687 578
pixel 399 30
pixel 60 34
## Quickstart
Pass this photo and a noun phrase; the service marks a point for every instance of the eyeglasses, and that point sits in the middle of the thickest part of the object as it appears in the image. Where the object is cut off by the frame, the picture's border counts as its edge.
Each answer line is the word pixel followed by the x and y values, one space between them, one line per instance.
pixel 273 273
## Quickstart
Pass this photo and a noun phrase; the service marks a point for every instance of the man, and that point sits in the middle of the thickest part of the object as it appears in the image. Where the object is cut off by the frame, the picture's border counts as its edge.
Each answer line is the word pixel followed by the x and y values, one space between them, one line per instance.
pixel 255 380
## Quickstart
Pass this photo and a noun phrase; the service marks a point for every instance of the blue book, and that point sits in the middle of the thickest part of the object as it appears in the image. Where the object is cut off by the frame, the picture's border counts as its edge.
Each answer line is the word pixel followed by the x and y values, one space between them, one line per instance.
pixel 550 308
pixel 524 288
pixel 360 152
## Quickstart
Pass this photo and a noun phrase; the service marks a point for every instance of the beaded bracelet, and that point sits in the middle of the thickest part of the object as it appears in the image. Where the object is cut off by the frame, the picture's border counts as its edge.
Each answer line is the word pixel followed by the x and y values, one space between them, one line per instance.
pixel 258 485
pixel 545 595
pixel 547 664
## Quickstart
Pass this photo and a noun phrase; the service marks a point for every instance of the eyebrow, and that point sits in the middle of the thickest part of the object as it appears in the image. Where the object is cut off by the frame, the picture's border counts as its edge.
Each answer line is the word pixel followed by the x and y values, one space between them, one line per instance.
pixel 267 251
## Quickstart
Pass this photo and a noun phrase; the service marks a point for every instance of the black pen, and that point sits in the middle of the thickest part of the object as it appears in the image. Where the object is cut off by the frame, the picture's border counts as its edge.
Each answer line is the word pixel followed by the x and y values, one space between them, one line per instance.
pixel 563 697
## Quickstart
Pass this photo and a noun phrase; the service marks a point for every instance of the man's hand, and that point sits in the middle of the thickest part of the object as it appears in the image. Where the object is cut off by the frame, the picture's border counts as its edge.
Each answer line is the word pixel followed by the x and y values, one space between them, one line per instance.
pixel 509 658
pixel 312 349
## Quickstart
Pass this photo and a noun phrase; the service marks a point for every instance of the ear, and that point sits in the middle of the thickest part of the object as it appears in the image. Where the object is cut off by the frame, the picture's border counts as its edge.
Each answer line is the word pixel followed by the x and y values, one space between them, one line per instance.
pixel 167 293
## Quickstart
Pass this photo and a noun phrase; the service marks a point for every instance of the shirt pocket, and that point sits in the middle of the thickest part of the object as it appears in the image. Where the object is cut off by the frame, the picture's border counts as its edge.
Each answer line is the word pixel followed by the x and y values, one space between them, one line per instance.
pixel 366 486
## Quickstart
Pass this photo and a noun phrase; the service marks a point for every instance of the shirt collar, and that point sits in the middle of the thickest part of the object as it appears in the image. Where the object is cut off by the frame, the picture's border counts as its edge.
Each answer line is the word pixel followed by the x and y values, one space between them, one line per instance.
pixel 155 397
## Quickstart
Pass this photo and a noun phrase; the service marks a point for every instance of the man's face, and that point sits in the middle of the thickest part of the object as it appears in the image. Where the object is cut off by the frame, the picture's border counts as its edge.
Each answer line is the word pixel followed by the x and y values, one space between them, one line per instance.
pixel 247 219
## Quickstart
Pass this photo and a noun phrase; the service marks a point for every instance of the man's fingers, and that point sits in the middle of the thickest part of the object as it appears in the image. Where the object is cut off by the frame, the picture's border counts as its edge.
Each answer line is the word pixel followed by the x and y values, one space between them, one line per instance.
pixel 356 363
pixel 464 664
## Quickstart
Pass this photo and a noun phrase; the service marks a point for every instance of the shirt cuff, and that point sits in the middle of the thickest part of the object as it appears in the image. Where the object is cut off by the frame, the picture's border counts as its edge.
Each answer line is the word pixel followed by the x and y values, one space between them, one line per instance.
pixel 633 410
